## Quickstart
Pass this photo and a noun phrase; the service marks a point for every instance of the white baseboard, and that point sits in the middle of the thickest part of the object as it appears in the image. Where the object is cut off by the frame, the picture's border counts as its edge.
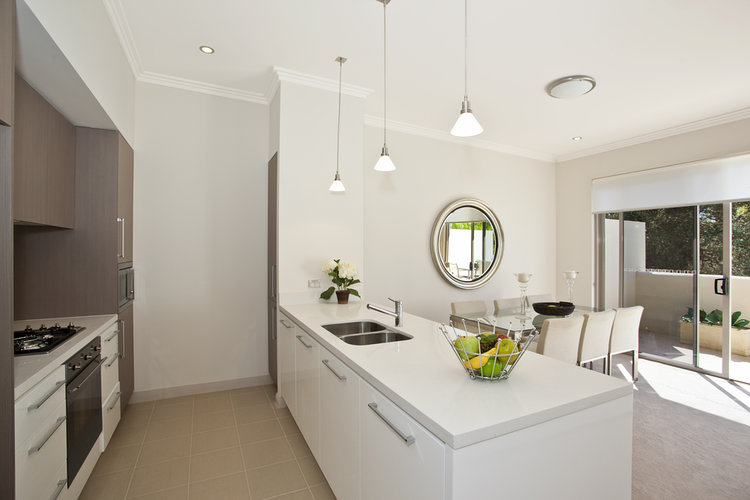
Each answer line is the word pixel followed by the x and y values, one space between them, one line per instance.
pixel 189 390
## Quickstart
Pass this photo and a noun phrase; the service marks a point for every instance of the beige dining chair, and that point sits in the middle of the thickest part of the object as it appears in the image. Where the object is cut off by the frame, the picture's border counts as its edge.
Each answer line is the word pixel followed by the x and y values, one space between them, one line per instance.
pixel 467 307
pixel 625 335
pixel 594 345
pixel 560 338
pixel 509 303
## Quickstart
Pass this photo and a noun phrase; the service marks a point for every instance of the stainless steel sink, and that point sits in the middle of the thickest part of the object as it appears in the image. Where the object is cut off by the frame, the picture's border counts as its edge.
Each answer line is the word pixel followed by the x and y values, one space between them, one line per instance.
pixel 365 333
pixel 375 338
pixel 354 327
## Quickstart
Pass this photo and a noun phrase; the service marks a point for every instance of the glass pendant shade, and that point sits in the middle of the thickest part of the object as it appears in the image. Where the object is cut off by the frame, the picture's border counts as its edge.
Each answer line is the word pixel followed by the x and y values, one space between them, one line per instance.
pixel 385 164
pixel 337 186
pixel 467 124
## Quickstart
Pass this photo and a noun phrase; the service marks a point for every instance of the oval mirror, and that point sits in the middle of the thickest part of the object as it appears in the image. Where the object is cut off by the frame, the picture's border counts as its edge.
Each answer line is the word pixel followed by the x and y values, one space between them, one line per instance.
pixel 467 243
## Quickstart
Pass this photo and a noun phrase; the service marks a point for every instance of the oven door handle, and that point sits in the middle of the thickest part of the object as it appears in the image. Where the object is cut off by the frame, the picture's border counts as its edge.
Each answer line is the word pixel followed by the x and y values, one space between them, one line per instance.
pixel 77 387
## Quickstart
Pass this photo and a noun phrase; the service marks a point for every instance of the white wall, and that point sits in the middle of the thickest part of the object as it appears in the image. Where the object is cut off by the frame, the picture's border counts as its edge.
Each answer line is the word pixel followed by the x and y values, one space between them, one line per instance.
pixel 575 242
pixel 199 238
pixel 401 207
pixel 316 225
pixel 84 33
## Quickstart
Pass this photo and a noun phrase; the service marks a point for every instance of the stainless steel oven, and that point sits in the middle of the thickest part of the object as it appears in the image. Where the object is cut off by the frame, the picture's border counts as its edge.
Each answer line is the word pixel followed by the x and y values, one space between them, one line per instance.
pixel 83 401
pixel 125 285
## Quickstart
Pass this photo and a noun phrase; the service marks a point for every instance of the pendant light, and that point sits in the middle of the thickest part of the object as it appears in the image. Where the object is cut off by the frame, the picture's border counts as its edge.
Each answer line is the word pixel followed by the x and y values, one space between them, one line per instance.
pixel 337 186
pixel 384 164
pixel 466 125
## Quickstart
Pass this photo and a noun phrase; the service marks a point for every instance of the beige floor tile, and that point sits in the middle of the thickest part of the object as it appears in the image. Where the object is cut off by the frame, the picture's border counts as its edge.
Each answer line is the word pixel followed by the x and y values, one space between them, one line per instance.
pixel 116 459
pixel 107 487
pixel 170 412
pixel 289 426
pixel 179 493
pixel 208 405
pixel 266 452
pixel 270 391
pixel 254 413
pixel 161 476
pixel 215 464
pixel 127 436
pixel 249 398
pixel 233 487
pixel 136 417
pixel 140 406
pixel 259 431
pixel 173 401
pixel 214 440
pixel 163 450
pixel 311 471
pixel 299 446
pixel 297 495
pixel 164 429
pixel 274 480
pixel 281 412
pixel 215 420
pixel 322 492
pixel 213 395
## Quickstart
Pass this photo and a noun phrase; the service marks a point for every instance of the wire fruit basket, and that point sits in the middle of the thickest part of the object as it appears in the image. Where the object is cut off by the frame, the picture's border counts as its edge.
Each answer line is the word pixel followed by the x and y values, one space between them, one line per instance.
pixel 502 349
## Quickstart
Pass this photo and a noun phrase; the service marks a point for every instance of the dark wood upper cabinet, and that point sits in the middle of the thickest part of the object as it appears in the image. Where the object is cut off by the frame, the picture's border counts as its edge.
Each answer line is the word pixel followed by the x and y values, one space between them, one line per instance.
pixel 124 201
pixel 43 161
pixel 7 62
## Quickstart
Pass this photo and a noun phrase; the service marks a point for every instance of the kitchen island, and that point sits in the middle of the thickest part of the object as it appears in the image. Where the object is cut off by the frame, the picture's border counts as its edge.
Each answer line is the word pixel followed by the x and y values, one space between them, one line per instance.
pixel 551 429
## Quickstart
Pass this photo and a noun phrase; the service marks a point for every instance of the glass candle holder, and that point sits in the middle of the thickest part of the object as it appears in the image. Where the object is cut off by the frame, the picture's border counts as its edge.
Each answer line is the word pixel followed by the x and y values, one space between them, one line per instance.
pixel 523 284
pixel 570 279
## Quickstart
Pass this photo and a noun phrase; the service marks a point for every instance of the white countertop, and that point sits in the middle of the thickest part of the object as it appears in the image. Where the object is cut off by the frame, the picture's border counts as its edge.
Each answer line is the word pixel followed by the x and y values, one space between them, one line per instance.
pixel 30 369
pixel 424 378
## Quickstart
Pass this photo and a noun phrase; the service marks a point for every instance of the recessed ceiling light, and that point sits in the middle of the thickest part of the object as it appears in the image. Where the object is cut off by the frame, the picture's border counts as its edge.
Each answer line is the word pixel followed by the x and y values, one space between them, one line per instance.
pixel 577 138
pixel 206 49
pixel 569 87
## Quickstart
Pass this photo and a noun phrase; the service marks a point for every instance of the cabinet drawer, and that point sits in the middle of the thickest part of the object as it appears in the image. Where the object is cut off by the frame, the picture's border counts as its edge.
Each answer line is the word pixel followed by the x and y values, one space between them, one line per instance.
pixel 110 341
pixel 59 484
pixel 110 374
pixel 110 416
pixel 38 404
pixel 400 458
pixel 40 458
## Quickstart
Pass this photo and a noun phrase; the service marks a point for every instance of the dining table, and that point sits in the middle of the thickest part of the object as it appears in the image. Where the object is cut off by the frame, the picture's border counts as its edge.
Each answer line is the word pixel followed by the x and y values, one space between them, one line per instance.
pixel 513 319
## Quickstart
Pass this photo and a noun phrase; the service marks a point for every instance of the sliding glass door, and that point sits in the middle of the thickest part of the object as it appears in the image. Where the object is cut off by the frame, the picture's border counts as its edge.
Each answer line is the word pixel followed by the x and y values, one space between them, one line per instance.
pixel 689 267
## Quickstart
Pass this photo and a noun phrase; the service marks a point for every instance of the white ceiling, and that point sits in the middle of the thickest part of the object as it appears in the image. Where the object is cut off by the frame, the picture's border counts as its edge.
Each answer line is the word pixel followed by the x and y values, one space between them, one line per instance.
pixel 659 65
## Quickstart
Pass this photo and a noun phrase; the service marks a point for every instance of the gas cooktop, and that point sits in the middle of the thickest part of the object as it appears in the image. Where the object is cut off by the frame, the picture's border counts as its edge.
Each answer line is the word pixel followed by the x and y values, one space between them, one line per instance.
pixel 42 339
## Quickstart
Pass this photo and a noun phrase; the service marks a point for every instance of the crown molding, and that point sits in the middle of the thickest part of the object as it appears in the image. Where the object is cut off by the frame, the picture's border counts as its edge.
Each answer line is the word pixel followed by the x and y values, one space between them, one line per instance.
pixel 714 121
pixel 124 34
pixel 442 135
pixel 202 87
pixel 291 76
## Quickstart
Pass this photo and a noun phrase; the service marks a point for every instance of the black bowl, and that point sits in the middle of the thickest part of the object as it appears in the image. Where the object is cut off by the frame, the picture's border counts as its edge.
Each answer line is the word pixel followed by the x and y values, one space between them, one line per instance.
pixel 554 308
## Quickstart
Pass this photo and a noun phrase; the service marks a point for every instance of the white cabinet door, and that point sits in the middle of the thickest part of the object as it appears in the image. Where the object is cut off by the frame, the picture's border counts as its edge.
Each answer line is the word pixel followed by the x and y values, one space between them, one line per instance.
pixel 339 426
pixel 400 458
pixel 285 361
pixel 307 378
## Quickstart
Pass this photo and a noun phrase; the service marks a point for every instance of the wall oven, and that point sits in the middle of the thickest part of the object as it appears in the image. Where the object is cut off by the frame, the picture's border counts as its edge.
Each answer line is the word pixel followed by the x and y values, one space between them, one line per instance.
pixel 125 285
pixel 83 404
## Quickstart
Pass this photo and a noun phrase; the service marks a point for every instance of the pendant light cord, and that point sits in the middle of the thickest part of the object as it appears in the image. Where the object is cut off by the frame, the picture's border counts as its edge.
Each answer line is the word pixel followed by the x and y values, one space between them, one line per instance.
pixel 385 66
pixel 338 125
pixel 466 49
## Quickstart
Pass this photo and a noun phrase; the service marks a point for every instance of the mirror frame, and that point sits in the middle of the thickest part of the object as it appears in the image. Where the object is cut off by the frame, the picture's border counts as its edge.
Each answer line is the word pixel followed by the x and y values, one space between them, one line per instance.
pixel 435 243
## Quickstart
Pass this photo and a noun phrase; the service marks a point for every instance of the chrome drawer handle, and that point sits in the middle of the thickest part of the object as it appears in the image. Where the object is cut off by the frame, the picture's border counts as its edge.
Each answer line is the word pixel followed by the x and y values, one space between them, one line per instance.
pixel 44 399
pixel 44 441
pixel 299 337
pixel 114 403
pixel 112 336
pixel 283 322
pixel 408 440
pixel 340 377
pixel 60 485
pixel 114 358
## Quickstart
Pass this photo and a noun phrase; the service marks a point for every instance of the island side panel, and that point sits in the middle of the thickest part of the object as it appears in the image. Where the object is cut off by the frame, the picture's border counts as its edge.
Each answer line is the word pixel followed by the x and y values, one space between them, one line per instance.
pixel 586 454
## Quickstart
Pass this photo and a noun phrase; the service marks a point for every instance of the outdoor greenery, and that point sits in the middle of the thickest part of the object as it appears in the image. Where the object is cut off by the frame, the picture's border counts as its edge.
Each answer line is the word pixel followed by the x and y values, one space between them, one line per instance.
pixel 715 318
pixel 670 233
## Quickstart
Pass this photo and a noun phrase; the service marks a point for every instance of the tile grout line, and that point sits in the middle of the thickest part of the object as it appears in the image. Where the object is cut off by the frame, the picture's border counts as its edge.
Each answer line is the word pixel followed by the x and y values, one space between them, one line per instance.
pixel 140 451
pixel 242 455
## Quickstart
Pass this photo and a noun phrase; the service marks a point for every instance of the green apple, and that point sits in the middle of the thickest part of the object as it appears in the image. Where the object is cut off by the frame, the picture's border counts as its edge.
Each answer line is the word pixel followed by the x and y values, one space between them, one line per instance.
pixel 467 347
pixel 493 367
pixel 506 347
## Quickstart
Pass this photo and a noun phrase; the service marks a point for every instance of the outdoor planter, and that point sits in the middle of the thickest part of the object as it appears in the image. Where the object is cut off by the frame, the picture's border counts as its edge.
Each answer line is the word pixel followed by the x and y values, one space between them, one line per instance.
pixel 710 337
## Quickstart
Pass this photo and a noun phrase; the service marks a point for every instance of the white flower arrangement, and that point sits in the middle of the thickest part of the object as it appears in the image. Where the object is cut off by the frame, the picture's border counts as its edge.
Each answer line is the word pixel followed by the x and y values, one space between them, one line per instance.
pixel 343 275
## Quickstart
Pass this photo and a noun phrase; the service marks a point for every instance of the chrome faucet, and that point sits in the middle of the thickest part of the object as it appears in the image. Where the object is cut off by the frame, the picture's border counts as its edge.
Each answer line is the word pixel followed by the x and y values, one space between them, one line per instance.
pixel 398 313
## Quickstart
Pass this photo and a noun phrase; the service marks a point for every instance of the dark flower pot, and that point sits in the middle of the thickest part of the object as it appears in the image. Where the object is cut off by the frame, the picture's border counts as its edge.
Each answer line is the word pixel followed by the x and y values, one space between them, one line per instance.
pixel 342 296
